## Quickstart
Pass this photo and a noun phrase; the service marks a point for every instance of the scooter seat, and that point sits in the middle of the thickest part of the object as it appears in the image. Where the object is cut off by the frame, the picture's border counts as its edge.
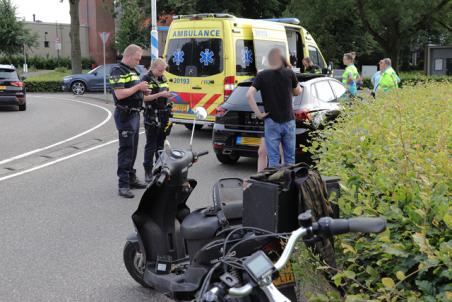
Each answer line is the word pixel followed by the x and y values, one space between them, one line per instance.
pixel 197 225
pixel 233 210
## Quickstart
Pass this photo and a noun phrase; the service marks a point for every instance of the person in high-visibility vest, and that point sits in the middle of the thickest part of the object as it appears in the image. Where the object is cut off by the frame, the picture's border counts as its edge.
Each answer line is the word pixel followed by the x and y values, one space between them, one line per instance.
pixel 388 78
pixel 350 76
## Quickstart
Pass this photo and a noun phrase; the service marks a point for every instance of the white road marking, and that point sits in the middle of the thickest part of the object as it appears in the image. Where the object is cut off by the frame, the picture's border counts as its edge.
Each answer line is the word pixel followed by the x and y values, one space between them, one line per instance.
pixel 109 114
pixel 59 160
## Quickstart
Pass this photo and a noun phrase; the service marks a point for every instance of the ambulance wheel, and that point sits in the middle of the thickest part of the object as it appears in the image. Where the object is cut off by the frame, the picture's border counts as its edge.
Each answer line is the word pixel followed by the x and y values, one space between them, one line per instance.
pixel 190 126
pixel 228 159
pixel 78 88
pixel 134 262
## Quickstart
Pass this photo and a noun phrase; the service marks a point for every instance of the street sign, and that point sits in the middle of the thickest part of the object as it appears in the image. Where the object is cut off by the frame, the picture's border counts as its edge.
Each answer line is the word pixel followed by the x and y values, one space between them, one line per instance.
pixel 104 36
pixel 57 43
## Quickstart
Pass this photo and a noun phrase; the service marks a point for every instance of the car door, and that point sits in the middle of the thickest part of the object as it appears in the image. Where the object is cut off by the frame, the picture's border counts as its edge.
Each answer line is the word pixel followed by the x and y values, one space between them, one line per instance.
pixel 97 81
pixel 325 102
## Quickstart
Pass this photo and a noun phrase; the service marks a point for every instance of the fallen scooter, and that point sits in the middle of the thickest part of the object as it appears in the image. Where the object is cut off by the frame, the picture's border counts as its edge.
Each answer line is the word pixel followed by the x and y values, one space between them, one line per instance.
pixel 173 249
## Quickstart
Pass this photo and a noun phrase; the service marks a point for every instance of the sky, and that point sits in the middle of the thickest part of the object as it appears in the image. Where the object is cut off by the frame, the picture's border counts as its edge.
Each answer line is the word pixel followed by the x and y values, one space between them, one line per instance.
pixel 45 10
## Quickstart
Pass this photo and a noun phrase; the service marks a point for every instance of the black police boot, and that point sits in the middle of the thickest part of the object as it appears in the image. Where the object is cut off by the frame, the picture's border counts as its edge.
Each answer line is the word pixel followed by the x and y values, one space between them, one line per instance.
pixel 125 192
pixel 137 184
pixel 147 175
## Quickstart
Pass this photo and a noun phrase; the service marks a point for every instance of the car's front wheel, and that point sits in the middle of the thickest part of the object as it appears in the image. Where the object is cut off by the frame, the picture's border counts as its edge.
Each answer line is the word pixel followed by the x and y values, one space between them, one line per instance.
pixel 228 159
pixel 78 88
pixel 23 107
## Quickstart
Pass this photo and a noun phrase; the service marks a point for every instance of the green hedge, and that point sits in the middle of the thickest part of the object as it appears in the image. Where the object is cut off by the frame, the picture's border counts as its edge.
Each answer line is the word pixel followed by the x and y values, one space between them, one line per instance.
pixel 44 63
pixel 43 86
pixel 412 78
pixel 393 156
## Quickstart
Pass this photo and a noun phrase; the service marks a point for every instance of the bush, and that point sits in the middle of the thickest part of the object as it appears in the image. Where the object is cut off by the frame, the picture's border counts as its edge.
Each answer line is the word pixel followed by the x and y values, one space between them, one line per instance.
pixel 412 78
pixel 393 158
pixel 43 86
pixel 44 63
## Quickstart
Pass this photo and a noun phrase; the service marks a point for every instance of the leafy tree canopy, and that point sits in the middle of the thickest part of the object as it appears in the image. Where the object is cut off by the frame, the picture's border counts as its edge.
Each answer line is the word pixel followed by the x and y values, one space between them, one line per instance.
pixel 13 34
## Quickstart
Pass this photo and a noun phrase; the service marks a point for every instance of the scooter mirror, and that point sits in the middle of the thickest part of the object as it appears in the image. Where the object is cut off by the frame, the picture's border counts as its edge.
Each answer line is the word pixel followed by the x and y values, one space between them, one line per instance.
pixel 201 113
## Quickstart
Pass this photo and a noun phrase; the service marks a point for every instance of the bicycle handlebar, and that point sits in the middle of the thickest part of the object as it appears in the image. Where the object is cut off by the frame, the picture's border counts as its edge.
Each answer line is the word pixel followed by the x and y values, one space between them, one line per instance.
pixel 326 226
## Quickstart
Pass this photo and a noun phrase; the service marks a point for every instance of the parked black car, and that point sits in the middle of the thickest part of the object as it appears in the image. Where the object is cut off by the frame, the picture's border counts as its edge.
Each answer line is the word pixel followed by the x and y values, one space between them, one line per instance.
pixel 91 81
pixel 12 88
pixel 237 132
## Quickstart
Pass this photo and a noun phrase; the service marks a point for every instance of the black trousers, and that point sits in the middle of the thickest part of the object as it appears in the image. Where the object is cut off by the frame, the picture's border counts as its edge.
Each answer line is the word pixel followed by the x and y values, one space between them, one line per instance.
pixel 128 130
pixel 154 124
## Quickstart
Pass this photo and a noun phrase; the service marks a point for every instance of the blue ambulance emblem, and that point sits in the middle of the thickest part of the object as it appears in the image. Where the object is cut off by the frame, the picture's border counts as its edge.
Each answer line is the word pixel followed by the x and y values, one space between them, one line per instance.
pixel 178 57
pixel 206 57
pixel 247 57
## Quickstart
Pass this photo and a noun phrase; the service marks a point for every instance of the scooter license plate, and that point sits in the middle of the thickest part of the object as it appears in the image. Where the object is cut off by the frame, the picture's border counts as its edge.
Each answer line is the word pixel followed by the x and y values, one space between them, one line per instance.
pixel 286 276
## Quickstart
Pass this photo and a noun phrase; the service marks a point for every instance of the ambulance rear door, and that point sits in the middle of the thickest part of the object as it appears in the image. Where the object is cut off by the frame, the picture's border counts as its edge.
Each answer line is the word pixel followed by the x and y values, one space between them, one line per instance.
pixel 268 35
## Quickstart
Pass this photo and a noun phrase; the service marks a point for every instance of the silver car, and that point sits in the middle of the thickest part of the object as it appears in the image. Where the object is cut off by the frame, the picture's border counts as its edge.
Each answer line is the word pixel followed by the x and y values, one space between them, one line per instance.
pixel 237 132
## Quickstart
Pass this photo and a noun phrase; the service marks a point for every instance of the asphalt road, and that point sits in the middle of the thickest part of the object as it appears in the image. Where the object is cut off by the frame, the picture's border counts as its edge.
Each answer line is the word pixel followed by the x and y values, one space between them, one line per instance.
pixel 62 224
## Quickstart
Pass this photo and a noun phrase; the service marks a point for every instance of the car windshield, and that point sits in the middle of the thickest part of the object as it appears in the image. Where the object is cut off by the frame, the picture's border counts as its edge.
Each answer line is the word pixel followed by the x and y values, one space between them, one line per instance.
pixel 8 74
pixel 195 57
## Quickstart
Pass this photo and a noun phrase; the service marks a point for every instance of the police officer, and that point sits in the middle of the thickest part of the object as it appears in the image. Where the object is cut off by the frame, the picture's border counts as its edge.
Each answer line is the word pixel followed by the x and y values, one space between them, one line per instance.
pixel 128 93
pixel 156 115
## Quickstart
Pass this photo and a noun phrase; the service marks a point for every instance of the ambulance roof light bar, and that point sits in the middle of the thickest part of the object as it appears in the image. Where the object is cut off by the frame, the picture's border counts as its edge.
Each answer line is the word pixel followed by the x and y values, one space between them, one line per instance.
pixel 200 16
pixel 294 21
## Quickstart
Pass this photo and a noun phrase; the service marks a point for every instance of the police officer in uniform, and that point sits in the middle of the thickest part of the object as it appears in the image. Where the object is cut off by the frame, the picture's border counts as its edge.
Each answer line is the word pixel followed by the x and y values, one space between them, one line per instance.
pixel 128 93
pixel 156 115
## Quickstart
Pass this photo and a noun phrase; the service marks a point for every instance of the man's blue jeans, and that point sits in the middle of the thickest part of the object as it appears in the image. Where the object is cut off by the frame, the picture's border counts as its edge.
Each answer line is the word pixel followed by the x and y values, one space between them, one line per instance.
pixel 276 134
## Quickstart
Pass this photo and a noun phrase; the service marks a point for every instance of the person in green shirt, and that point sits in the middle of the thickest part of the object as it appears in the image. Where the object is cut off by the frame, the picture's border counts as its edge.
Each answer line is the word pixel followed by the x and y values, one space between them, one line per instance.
pixel 350 76
pixel 388 79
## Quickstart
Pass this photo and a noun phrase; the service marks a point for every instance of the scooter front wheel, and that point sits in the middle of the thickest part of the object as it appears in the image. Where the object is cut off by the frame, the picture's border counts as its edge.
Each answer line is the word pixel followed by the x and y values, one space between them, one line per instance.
pixel 134 262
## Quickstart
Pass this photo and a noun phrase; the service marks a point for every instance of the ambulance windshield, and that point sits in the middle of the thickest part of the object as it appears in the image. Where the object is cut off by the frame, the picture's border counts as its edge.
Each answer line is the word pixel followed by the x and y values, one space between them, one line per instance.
pixel 195 57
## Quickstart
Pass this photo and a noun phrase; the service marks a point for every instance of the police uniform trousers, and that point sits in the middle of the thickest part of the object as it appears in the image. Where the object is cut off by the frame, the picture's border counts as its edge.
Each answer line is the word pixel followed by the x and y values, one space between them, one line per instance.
pixel 155 136
pixel 128 129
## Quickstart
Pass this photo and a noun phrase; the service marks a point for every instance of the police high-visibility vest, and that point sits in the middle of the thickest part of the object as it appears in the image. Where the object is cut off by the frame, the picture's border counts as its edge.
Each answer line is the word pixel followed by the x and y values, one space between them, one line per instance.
pixel 388 80
pixel 350 70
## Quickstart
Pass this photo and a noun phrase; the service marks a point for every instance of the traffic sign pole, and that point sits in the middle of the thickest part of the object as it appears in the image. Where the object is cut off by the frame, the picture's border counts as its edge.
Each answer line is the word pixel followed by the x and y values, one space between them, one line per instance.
pixel 154 32
pixel 104 37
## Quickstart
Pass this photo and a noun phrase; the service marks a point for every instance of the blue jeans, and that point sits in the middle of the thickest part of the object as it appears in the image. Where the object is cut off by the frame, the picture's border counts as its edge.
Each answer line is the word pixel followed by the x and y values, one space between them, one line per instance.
pixel 276 134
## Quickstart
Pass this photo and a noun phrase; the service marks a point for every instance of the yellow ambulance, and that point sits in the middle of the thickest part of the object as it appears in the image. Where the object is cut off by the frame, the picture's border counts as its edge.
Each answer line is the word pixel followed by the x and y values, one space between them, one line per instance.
pixel 208 54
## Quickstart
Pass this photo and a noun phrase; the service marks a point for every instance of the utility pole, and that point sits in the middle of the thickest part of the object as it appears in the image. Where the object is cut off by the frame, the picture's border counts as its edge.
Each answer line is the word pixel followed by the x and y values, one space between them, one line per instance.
pixel 154 32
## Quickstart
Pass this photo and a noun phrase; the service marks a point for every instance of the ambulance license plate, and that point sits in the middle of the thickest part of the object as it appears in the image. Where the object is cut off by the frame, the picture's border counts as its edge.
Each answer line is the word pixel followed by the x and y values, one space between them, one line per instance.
pixel 248 141
pixel 180 107
pixel 286 276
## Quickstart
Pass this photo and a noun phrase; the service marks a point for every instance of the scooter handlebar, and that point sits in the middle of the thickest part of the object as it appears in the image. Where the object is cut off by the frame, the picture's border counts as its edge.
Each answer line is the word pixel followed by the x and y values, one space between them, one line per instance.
pixel 202 153
pixel 163 175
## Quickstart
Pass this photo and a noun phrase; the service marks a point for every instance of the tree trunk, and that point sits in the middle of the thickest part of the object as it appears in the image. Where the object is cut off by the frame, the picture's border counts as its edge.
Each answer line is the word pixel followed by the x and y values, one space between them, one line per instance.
pixel 76 55
pixel 392 51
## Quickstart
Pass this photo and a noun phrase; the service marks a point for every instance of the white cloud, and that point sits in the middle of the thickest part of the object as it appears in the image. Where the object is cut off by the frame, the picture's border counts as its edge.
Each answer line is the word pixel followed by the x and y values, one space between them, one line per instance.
pixel 45 10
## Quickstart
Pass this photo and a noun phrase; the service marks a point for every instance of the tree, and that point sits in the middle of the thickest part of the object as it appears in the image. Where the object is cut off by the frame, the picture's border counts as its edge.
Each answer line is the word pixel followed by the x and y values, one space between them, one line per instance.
pixel 373 28
pixel 393 23
pixel 132 28
pixel 335 29
pixel 13 34
pixel 76 54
